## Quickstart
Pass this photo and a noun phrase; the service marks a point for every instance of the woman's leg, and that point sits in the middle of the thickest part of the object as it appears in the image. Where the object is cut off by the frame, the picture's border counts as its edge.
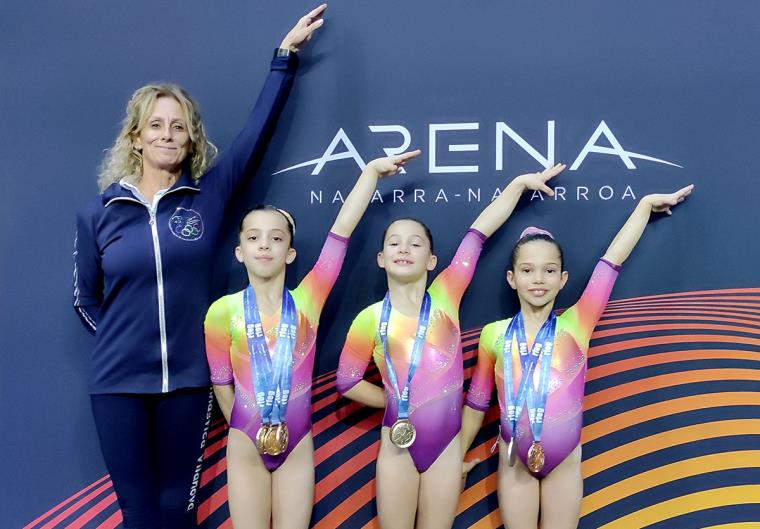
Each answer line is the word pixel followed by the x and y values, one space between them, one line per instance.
pixel 398 485
pixel 561 493
pixel 518 493
pixel 293 488
pixel 182 421
pixel 125 429
pixel 440 489
pixel 249 483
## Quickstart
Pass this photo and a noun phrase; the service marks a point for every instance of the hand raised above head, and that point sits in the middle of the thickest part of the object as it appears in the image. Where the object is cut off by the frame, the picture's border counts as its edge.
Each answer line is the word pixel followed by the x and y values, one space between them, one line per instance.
pixel 662 202
pixel 304 29
pixel 391 165
pixel 537 181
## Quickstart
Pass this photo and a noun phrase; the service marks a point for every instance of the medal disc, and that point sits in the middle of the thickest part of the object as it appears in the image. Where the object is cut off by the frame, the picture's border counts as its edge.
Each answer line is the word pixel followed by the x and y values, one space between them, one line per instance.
pixel 261 436
pixel 281 437
pixel 511 452
pixel 536 457
pixel 403 433
pixel 270 443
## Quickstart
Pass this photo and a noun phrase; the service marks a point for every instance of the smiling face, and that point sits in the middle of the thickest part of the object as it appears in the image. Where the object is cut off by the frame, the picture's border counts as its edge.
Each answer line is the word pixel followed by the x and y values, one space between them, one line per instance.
pixel 164 139
pixel 537 275
pixel 265 243
pixel 406 253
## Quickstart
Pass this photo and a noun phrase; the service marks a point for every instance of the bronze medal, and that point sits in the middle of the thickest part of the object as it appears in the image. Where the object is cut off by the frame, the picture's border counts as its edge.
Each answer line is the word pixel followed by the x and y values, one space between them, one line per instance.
pixel 403 433
pixel 261 437
pixel 536 457
pixel 511 452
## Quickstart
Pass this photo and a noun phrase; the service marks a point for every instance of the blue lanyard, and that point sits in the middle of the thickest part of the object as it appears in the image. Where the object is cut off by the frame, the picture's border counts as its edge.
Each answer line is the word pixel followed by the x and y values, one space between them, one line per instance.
pixel 536 399
pixel 272 377
pixel 419 342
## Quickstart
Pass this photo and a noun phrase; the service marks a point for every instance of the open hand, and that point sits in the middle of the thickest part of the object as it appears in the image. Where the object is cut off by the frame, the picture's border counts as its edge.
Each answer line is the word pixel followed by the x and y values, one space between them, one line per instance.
pixel 304 29
pixel 391 165
pixel 537 181
pixel 662 202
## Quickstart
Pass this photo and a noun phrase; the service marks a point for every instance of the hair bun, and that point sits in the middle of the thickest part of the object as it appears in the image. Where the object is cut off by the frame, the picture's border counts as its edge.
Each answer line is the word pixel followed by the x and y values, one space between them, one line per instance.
pixel 532 230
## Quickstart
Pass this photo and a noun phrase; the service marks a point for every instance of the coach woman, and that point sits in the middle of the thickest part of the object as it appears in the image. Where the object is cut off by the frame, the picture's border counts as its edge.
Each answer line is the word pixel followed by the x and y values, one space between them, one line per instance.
pixel 142 259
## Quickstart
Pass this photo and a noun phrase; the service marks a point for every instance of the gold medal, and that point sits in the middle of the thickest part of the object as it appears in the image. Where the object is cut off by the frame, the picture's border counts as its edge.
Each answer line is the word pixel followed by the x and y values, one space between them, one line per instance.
pixel 261 437
pixel 536 457
pixel 403 433
pixel 511 452
pixel 281 437
pixel 270 442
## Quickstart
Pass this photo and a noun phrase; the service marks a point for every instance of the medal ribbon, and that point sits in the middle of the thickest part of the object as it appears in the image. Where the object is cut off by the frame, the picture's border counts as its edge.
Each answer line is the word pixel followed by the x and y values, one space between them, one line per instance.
pixel 271 376
pixel 542 348
pixel 419 342
pixel 537 396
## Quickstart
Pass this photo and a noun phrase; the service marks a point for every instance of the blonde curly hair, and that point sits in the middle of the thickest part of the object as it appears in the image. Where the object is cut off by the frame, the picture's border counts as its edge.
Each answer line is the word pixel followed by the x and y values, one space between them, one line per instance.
pixel 124 160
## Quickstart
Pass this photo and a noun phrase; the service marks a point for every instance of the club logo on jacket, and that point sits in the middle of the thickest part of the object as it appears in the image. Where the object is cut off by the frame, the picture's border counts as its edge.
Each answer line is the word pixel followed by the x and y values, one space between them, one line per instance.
pixel 186 224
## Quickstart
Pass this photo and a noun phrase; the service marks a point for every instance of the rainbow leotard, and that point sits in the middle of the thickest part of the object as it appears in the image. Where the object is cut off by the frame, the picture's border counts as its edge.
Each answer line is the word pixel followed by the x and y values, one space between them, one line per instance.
pixel 230 361
pixel 563 418
pixel 436 389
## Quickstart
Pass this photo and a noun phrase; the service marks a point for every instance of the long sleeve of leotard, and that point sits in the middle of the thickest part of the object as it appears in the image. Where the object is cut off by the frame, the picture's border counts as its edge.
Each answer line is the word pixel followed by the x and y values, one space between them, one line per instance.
pixel 357 351
pixel 454 280
pixel 218 338
pixel 481 386
pixel 584 315
pixel 316 286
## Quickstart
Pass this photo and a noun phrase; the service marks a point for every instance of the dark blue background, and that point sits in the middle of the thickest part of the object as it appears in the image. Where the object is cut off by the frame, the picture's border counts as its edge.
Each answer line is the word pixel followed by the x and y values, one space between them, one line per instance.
pixel 677 80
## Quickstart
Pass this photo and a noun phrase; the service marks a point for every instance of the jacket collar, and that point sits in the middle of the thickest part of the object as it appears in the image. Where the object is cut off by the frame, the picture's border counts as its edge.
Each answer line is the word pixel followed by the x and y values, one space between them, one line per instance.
pixel 117 191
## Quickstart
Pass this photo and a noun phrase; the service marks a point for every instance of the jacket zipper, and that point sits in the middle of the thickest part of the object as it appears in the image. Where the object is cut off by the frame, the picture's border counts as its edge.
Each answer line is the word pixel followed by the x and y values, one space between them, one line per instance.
pixel 160 284
pixel 161 306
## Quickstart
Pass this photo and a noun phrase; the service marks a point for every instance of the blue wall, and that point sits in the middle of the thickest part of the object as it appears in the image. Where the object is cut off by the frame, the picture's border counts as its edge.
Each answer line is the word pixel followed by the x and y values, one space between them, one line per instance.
pixel 677 81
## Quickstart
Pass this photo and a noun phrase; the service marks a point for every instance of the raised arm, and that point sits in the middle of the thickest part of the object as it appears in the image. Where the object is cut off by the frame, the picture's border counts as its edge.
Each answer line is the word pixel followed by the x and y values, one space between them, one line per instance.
pixel 628 236
pixel 240 160
pixel 357 201
pixel 453 281
pixel 498 211
pixel 304 29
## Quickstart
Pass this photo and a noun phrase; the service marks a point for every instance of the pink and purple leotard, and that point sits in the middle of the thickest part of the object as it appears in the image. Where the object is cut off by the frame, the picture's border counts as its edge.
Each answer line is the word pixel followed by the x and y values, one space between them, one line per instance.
pixel 436 389
pixel 563 418
pixel 230 361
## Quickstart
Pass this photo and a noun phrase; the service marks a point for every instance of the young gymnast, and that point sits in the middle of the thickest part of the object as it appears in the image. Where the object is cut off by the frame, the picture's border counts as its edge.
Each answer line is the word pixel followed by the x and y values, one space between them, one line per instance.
pixel 260 344
pixel 413 336
pixel 540 388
